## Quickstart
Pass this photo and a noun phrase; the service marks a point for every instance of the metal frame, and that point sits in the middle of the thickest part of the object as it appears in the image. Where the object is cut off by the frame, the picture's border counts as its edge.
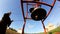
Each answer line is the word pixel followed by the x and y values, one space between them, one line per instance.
pixel 25 17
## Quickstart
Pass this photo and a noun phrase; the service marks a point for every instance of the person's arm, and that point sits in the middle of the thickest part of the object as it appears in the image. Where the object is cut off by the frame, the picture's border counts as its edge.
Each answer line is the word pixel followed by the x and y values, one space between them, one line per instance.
pixel 10 23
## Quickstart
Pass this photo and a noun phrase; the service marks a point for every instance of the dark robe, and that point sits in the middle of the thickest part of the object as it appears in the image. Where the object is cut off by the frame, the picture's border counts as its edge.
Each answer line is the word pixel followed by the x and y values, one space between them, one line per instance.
pixel 6 21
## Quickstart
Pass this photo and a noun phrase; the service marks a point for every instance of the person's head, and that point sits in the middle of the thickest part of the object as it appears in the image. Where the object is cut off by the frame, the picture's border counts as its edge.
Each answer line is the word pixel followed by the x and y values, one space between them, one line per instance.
pixel 9 13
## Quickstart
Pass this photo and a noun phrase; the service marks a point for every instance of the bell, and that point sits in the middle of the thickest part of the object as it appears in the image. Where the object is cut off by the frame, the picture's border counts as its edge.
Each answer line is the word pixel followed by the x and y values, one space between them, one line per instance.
pixel 38 14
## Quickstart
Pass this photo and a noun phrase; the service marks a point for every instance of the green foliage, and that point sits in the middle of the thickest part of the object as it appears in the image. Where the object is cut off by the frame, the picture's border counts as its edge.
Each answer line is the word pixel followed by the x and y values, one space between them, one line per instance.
pixel 50 32
pixel 56 30
pixel 53 31
pixel 13 29
pixel 9 31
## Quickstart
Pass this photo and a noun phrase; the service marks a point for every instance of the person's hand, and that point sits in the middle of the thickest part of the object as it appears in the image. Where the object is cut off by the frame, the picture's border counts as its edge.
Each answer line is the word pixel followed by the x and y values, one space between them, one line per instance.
pixel 11 20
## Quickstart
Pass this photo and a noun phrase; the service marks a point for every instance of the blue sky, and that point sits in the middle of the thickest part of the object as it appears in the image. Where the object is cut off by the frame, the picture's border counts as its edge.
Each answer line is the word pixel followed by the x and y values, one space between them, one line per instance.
pixel 31 26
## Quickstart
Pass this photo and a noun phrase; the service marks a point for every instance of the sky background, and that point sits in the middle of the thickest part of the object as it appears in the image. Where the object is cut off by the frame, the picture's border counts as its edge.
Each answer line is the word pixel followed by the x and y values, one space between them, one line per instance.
pixel 31 26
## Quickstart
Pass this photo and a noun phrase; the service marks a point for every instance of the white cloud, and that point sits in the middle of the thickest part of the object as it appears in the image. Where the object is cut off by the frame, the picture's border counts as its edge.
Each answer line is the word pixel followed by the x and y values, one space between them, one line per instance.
pixel 19 30
pixel 30 26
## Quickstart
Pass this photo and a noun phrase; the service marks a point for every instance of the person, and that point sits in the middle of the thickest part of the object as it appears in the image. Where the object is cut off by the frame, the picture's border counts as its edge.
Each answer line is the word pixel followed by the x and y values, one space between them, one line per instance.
pixel 6 21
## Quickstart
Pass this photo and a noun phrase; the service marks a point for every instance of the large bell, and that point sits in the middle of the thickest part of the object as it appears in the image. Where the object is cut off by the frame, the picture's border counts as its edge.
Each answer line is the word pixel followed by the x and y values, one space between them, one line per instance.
pixel 38 14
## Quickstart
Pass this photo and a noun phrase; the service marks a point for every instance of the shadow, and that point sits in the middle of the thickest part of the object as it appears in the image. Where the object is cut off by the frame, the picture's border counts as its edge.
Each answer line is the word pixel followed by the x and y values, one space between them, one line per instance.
pixel 6 21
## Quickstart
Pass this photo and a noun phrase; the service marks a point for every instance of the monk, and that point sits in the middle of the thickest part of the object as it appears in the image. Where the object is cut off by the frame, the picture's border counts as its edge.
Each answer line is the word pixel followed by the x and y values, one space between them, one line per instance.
pixel 6 21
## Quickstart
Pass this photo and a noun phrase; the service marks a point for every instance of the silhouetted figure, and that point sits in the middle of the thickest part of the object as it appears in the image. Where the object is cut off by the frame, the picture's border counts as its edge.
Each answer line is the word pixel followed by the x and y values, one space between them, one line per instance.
pixel 6 21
